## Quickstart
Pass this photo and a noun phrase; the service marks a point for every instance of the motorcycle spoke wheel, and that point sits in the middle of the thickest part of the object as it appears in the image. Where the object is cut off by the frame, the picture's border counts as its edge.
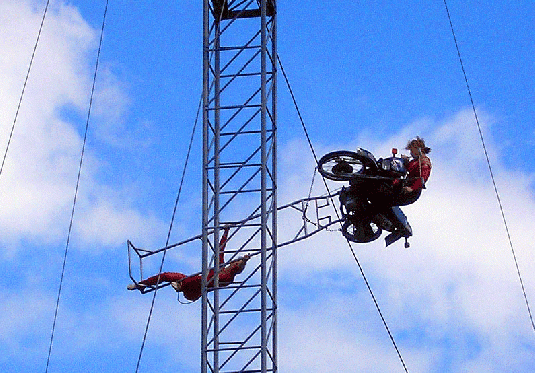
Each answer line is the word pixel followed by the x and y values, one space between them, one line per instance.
pixel 342 165
pixel 361 232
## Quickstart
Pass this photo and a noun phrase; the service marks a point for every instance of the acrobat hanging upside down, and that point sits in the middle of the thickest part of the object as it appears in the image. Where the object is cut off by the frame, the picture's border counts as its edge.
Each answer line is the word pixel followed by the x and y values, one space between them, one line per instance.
pixel 190 286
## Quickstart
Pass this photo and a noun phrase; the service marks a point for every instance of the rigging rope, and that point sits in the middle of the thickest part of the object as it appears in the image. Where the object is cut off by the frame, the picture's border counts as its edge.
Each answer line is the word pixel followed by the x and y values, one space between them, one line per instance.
pixel 76 189
pixel 169 234
pixel 348 243
pixel 24 87
pixel 490 168
pixel 170 227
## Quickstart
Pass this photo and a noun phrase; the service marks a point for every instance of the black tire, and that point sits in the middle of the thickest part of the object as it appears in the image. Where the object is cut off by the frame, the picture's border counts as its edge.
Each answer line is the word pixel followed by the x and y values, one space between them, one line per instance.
pixel 342 165
pixel 360 232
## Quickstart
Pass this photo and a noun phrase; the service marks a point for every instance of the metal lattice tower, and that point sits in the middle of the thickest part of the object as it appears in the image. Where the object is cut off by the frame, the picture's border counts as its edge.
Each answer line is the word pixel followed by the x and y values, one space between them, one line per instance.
pixel 239 322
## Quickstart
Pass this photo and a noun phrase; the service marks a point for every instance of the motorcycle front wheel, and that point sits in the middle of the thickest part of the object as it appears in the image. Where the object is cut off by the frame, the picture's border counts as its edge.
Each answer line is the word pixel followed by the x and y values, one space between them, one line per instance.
pixel 342 165
pixel 360 232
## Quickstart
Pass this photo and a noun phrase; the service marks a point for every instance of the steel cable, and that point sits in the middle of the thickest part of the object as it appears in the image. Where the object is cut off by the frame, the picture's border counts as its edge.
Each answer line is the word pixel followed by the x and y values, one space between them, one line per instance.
pixel 490 167
pixel 24 87
pixel 376 303
pixel 76 190
pixel 168 235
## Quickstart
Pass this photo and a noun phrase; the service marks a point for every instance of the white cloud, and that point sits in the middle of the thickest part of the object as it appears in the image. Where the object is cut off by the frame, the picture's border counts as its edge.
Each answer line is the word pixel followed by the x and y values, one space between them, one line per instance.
pixel 23 314
pixel 333 336
pixel 453 300
pixel 456 288
pixel 104 219
pixel 38 181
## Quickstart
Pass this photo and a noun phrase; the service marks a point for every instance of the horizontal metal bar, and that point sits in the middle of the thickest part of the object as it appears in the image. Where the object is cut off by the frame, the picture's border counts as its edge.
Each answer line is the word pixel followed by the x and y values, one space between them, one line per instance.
pixel 234 107
pixel 236 312
pixel 224 49
pixel 233 348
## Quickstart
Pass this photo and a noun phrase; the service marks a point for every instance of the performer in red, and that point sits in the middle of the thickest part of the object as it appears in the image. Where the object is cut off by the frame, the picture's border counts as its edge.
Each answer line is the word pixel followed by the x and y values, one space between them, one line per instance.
pixel 419 169
pixel 190 286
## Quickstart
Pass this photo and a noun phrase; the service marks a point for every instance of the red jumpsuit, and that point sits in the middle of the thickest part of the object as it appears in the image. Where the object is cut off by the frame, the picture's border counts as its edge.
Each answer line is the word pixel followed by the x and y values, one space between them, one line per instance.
pixel 191 285
pixel 418 171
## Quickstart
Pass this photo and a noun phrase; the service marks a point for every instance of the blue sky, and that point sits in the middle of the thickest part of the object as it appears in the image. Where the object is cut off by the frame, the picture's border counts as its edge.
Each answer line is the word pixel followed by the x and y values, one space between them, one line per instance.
pixel 364 74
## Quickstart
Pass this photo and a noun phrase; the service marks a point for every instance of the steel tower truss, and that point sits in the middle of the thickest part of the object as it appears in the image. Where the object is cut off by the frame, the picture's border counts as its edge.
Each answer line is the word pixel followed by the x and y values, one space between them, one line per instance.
pixel 239 321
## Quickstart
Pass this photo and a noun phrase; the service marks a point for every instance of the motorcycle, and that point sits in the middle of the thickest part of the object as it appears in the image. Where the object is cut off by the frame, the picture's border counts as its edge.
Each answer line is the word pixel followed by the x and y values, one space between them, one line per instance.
pixel 366 211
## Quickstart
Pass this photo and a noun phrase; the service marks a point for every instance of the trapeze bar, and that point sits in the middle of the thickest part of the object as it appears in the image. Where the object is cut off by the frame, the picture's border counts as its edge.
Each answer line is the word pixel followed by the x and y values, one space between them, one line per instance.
pixel 299 205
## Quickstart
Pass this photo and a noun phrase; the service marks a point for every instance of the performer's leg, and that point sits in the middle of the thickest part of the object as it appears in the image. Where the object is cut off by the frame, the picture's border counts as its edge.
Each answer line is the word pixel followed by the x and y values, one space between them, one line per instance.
pixel 163 277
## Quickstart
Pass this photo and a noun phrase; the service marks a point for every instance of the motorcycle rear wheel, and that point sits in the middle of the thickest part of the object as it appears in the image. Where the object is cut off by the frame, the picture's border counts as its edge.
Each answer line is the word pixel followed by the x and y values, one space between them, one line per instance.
pixel 342 165
pixel 360 232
